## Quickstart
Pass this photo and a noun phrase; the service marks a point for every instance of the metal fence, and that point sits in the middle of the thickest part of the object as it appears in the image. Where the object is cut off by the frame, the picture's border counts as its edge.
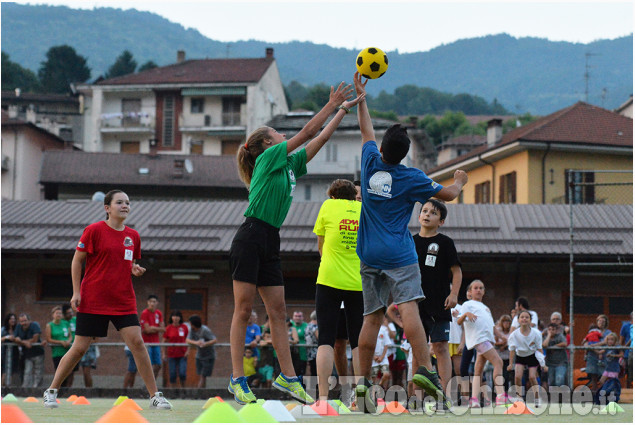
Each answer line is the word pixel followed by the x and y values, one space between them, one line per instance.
pixel 595 198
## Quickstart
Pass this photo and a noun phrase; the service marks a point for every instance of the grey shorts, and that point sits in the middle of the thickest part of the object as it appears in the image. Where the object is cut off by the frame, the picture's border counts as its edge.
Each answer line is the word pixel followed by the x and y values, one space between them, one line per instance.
pixel 402 283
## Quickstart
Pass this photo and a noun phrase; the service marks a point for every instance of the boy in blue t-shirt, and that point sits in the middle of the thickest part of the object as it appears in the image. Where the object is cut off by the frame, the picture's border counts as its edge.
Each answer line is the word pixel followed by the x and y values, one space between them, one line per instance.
pixel 389 263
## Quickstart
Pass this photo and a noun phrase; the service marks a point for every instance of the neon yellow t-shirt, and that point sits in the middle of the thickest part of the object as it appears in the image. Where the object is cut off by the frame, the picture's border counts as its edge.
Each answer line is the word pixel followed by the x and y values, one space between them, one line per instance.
pixel 249 366
pixel 338 221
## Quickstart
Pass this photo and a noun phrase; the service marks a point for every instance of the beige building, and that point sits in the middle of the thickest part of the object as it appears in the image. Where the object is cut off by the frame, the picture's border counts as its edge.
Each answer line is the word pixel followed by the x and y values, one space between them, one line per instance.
pixel 200 106
pixel 530 164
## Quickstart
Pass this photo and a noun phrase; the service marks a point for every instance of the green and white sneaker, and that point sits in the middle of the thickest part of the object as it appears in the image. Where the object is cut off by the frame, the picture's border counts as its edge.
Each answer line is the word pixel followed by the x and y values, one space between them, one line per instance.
pixel 241 391
pixel 429 381
pixel 293 387
pixel 363 398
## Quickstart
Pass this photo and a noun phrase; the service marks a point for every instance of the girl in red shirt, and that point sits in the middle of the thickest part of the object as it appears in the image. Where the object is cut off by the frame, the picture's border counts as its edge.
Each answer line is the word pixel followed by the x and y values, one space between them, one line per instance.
pixel 105 294
pixel 176 331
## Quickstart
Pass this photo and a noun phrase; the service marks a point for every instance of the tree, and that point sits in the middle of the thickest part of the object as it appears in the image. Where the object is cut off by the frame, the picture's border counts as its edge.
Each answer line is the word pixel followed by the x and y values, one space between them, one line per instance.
pixel 62 67
pixel 147 65
pixel 14 76
pixel 125 64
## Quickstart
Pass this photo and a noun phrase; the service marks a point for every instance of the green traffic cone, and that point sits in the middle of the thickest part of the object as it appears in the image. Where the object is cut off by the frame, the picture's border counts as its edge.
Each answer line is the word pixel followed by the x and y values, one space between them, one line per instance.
pixel 255 413
pixel 218 413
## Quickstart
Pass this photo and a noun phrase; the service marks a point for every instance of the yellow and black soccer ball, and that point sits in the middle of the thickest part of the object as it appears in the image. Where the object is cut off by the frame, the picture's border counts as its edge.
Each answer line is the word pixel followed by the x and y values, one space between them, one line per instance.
pixel 372 63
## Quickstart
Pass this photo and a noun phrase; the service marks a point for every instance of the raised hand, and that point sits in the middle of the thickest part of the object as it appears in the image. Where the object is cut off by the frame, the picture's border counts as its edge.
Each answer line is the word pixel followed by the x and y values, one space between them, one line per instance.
pixel 350 103
pixel 360 87
pixel 337 97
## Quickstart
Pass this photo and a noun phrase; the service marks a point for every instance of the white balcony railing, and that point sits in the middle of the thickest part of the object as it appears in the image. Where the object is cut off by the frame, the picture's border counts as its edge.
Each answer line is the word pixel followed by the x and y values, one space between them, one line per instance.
pixel 127 121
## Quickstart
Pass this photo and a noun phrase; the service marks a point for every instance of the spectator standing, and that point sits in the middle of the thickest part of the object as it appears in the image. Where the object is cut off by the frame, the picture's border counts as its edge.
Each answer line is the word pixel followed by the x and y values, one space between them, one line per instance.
pixel 504 330
pixel 202 337
pixel 595 368
pixel 152 326
pixel 27 335
pixel 250 365
pixel 253 334
pixel 300 326
pixel 311 338
pixel 131 371
pixel 555 360
pixel 58 334
pixel 611 357
pixel 626 339
pixel 69 317
pixel 265 363
pixel 10 354
pixel 380 368
pixel 522 304
pixel 176 332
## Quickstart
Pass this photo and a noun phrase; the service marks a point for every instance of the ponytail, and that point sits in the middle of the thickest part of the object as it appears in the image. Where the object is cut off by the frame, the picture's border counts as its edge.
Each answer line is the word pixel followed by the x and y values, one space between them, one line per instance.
pixel 247 154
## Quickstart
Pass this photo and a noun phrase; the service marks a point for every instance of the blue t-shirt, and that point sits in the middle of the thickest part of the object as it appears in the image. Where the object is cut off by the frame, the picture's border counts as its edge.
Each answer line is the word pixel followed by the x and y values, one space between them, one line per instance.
pixel 389 193
pixel 253 331
pixel 34 328
pixel 627 333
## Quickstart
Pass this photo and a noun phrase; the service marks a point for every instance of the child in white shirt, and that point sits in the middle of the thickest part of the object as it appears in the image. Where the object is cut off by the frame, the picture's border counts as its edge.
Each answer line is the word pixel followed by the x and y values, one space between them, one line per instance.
pixel 479 329
pixel 380 366
pixel 523 344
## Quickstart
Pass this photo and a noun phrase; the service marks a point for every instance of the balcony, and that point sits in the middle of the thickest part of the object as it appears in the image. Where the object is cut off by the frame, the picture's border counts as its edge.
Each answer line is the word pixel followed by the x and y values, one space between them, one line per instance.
pixel 129 122
pixel 227 123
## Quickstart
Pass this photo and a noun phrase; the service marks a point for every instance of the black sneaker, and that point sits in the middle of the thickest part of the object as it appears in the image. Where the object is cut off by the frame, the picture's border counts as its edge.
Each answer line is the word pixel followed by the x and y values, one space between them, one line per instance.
pixel 429 381
pixel 364 400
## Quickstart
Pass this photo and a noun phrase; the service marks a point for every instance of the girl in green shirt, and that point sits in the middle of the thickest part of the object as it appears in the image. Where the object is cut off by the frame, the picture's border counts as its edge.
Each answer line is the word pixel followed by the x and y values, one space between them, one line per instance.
pixel 58 332
pixel 270 174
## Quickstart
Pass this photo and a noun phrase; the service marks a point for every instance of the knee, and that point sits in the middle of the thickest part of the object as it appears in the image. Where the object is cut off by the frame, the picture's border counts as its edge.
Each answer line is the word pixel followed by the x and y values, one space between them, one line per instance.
pixel 277 313
pixel 440 348
pixel 243 311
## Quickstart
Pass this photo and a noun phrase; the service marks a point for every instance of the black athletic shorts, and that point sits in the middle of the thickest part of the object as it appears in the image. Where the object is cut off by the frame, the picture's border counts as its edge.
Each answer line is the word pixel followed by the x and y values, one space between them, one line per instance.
pixel 254 256
pixel 327 307
pixel 529 361
pixel 342 332
pixel 96 325
pixel 437 329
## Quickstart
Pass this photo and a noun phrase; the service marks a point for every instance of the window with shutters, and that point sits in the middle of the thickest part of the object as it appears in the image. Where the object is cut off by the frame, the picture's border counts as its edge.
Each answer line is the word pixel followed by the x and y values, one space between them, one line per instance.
pixel 482 193
pixel 507 194
pixel 583 188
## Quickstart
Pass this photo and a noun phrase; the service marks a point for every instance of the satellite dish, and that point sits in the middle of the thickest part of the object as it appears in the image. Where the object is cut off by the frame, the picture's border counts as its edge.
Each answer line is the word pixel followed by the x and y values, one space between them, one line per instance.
pixel 188 166
pixel 98 196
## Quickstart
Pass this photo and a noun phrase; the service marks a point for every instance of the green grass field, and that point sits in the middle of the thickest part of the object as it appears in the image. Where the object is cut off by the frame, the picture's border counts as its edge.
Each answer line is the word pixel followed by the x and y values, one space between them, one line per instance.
pixel 188 410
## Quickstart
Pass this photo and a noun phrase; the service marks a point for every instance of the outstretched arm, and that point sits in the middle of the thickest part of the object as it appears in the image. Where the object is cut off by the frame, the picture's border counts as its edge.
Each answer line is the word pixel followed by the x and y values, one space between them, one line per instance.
pixel 316 144
pixel 313 126
pixel 365 124
pixel 449 193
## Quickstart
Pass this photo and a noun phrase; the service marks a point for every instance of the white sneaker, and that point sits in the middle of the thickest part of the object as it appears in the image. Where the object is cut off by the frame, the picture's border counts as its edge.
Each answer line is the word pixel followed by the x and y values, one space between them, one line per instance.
pixel 157 401
pixel 50 398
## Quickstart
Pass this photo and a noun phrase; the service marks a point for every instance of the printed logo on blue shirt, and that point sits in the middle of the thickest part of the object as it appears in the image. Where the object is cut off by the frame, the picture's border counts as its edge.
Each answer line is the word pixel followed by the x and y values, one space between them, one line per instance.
pixel 434 184
pixel 381 184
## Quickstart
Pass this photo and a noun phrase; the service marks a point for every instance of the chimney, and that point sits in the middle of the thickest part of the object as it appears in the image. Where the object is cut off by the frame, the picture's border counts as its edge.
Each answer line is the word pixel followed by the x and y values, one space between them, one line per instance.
pixel 269 52
pixel 494 131
pixel 180 56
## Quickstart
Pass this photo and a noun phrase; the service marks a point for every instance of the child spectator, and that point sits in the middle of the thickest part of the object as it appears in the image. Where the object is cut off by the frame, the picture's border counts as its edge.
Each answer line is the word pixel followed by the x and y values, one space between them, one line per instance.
pixel 176 331
pixel 202 337
pixel 380 367
pixel 611 357
pixel 479 334
pixel 250 364
pixel 523 344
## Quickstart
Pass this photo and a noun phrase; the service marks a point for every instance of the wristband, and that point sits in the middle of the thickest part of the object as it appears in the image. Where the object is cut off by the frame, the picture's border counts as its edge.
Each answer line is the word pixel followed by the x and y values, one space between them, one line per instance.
pixel 344 108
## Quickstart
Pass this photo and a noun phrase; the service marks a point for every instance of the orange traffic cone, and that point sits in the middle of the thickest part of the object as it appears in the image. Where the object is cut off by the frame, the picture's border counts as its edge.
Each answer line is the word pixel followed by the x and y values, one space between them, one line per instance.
pixel 395 407
pixel 323 408
pixel 121 414
pixel 12 414
pixel 81 400
pixel 131 404
pixel 30 400
pixel 72 398
pixel 518 408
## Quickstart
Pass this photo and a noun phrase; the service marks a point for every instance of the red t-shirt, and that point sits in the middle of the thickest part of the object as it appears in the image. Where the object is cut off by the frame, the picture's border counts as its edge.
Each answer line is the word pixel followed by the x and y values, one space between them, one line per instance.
pixel 152 318
pixel 107 283
pixel 176 334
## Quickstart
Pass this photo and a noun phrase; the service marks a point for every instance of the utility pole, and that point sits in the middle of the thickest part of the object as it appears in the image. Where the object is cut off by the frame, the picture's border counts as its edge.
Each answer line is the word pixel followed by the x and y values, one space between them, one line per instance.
pixel 587 75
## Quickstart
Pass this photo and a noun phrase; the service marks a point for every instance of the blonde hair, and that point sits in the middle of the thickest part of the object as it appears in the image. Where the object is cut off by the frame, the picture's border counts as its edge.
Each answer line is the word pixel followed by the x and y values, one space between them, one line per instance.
pixel 249 152
pixel 472 283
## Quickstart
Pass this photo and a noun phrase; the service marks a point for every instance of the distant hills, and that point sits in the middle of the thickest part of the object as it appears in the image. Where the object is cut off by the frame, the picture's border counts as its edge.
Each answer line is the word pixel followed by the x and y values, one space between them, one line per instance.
pixel 523 74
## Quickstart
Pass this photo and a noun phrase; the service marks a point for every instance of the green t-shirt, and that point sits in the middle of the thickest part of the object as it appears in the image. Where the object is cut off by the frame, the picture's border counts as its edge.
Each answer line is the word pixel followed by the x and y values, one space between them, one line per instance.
pixel 72 324
pixel 59 332
pixel 301 328
pixel 338 221
pixel 273 183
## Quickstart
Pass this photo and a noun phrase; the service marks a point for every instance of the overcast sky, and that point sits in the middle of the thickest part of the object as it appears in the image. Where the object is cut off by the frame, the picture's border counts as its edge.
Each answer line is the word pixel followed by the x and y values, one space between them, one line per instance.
pixel 407 26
